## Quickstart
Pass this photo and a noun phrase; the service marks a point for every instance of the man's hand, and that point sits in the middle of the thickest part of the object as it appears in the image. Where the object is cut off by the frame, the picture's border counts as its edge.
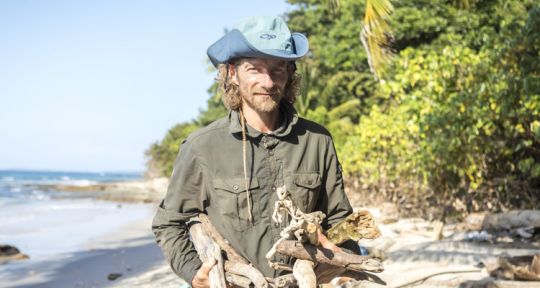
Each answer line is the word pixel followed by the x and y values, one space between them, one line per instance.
pixel 324 242
pixel 325 272
pixel 201 278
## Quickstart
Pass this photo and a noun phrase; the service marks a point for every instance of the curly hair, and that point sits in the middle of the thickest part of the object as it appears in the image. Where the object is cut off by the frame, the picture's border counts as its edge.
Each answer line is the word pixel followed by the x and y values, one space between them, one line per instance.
pixel 230 92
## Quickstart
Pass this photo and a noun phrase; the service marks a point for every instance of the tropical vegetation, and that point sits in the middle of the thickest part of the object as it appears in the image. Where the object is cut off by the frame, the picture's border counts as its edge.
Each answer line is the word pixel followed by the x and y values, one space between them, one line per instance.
pixel 444 117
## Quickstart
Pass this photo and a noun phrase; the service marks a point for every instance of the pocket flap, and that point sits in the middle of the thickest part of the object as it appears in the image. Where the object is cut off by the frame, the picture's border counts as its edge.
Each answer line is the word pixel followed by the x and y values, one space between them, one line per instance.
pixel 235 185
pixel 307 180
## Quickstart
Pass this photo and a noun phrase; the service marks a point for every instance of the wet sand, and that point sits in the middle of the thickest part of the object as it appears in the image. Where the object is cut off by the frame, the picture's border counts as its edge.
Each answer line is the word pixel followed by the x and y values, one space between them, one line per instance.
pixel 79 236
pixel 128 251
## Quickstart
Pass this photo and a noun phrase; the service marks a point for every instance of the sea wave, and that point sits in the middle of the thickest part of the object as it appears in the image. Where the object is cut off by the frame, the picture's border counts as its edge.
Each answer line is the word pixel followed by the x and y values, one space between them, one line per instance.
pixel 79 182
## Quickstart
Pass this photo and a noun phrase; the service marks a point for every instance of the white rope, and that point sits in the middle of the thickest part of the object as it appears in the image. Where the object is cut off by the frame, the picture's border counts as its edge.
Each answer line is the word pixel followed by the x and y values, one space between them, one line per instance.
pixel 284 203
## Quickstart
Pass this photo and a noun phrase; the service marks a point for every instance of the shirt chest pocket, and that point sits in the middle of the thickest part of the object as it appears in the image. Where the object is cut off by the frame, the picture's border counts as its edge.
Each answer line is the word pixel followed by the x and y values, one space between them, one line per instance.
pixel 304 189
pixel 231 200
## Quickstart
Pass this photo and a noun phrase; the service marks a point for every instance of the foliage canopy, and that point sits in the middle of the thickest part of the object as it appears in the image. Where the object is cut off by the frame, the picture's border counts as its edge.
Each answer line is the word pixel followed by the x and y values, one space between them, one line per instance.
pixel 454 120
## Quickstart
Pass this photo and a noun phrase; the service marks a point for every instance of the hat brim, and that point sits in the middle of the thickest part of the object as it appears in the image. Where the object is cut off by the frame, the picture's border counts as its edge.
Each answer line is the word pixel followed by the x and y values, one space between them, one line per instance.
pixel 234 45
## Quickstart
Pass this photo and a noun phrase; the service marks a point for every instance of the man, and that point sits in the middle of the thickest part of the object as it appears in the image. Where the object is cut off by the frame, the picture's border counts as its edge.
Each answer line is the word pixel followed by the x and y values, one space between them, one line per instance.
pixel 230 169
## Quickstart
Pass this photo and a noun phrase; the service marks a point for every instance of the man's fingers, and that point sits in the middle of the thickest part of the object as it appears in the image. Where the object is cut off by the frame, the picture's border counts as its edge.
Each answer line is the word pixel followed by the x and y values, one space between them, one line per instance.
pixel 201 278
pixel 207 266
pixel 326 243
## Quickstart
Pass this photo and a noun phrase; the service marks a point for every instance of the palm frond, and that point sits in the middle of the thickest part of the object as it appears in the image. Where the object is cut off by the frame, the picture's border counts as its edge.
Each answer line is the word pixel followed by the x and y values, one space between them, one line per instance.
pixel 375 34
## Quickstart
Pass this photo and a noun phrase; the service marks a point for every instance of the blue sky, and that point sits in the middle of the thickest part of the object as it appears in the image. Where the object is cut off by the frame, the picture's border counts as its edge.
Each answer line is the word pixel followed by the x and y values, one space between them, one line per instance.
pixel 89 85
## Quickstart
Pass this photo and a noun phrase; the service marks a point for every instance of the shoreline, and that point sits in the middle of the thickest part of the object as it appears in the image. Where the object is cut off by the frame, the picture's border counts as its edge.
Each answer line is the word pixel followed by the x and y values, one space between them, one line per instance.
pixel 128 251
pixel 82 233
pixel 129 191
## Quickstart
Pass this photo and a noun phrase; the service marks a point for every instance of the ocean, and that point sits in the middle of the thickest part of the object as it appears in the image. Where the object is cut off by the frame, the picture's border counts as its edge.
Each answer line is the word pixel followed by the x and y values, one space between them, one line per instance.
pixel 48 225
pixel 22 184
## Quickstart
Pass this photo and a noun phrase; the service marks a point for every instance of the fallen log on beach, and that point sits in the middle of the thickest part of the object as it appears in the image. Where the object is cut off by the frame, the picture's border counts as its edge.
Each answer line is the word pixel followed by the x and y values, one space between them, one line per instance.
pixel 508 220
pixel 525 268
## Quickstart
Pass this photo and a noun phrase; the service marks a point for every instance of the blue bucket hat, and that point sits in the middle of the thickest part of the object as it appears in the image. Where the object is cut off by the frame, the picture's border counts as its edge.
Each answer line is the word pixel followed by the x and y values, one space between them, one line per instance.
pixel 259 37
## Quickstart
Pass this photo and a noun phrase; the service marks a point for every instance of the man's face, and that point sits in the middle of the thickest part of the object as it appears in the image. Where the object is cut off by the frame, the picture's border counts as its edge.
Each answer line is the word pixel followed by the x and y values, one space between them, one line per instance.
pixel 261 82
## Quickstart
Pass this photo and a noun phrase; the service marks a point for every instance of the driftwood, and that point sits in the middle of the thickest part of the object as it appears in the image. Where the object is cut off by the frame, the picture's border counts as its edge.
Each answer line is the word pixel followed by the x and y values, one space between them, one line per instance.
pixel 304 228
pixel 322 255
pixel 236 264
pixel 511 284
pixel 283 281
pixel 490 282
pixel 208 249
pixel 359 225
pixel 508 220
pixel 286 280
pixel 232 255
pixel 516 268
pixel 248 271
pixel 304 274
pixel 237 280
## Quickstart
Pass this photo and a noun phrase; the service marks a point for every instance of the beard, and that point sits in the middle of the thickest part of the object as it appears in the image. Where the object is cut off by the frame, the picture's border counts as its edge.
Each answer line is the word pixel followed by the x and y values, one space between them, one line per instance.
pixel 264 103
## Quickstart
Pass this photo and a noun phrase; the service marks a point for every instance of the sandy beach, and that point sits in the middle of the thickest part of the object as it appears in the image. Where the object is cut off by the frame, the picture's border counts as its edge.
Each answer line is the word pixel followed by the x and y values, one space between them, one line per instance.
pixel 413 255
pixel 79 233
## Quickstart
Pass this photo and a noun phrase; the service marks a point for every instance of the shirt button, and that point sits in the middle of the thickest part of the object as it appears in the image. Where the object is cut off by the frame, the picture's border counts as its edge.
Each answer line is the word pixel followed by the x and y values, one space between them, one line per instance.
pixel 273 188
pixel 271 153
pixel 235 187
pixel 309 182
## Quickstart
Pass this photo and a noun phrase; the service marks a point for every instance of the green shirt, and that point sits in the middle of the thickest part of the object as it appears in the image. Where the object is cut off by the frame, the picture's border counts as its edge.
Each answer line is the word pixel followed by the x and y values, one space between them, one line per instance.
pixel 208 177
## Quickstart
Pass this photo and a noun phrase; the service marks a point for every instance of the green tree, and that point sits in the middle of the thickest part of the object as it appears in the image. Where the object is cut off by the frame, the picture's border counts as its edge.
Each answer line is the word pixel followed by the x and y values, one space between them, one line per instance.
pixel 455 120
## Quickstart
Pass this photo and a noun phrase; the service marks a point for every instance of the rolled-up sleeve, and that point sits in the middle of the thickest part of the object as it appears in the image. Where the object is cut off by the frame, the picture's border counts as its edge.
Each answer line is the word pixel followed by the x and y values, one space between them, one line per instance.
pixel 184 200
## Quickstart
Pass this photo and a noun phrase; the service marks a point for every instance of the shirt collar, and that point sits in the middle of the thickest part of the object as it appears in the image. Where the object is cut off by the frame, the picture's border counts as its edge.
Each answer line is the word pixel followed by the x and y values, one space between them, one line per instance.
pixel 286 108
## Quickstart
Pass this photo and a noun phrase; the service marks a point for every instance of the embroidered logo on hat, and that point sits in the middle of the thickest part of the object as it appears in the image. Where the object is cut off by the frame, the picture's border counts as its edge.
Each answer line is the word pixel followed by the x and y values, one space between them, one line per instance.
pixel 268 36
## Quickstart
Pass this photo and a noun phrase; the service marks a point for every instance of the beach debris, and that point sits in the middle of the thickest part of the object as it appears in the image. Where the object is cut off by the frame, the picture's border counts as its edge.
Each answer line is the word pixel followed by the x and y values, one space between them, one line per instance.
pixel 479 236
pixel 520 226
pixel 525 268
pixel 235 264
pixel 10 253
pixel 308 247
pixel 348 261
pixel 504 221
pixel 114 276
pixel 208 249
pixel 438 227
pixel 359 225
pixel 302 240
pixel 524 232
